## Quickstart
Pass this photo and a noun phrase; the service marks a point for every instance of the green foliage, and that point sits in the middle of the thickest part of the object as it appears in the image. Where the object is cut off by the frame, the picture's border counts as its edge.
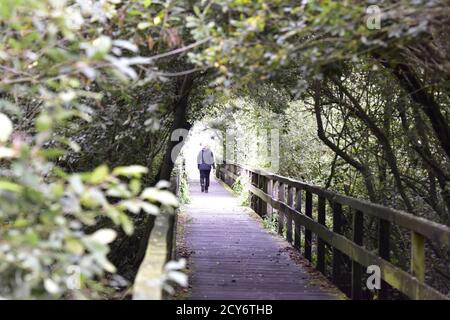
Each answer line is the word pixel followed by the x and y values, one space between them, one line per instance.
pixel 240 189
pixel 57 57
pixel 270 222
pixel 44 214
pixel 184 189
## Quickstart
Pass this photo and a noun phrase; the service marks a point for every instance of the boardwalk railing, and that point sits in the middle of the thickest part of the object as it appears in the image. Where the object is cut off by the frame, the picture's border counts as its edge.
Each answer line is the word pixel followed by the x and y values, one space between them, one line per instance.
pixel 294 201
pixel 160 249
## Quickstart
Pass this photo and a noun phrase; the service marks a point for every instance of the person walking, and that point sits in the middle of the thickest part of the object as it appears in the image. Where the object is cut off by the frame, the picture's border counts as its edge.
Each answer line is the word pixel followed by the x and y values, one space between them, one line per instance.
pixel 205 160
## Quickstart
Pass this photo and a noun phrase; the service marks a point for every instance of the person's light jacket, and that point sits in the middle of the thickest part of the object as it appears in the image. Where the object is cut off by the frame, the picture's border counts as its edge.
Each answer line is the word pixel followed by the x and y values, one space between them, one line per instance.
pixel 205 159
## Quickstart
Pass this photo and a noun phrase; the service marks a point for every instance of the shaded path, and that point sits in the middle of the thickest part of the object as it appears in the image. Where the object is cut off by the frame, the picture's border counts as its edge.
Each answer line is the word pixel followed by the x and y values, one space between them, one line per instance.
pixel 233 257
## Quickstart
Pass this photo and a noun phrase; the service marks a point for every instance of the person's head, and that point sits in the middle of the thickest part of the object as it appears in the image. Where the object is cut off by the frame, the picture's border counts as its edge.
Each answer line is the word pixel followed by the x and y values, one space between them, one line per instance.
pixel 205 146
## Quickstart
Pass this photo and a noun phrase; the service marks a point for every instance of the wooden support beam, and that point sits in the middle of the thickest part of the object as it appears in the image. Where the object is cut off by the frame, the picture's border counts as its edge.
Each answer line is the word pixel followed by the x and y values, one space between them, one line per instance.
pixel 418 256
pixel 269 192
pixel 298 207
pixel 263 205
pixel 281 190
pixel 358 224
pixel 290 200
pixel 321 214
pixel 308 234
pixel 383 252
pixel 337 255
pixel 258 200
pixel 251 195
pixel 254 182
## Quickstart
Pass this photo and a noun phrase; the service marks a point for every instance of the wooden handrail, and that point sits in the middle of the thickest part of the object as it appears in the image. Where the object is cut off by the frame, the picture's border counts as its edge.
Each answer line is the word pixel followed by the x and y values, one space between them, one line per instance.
pixel 430 229
pixel 412 285
pixel 160 250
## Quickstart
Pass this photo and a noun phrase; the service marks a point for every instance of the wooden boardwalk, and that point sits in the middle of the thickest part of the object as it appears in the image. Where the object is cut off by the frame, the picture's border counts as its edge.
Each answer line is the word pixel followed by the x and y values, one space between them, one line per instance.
pixel 231 255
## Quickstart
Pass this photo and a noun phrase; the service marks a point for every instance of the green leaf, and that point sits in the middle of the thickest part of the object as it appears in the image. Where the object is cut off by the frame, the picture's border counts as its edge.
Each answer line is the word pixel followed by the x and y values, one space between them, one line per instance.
pixel 99 174
pixel 130 171
pixel 167 198
pixel 143 25
pixel 52 153
pixel 51 286
pixel 197 10
pixel 74 246
pixel 103 236
pixel 133 206
pixel 10 186
pixel 43 122
pixel 31 238
pixel 163 196
pixel 20 223
pixel 135 12
pixel 149 208
pixel 127 224
pixel 135 186
pixel 6 127
pixel 147 3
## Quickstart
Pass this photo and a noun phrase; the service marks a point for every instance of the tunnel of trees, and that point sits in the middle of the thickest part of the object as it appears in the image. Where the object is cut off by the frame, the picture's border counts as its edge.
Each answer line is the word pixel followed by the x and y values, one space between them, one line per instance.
pixel 91 91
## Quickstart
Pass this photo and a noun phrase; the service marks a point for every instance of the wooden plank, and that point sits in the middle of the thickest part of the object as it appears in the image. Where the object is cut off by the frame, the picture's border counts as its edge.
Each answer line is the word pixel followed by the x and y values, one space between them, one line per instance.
pixel 254 199
pixel 249 176
pixel 258 200
pixel 270 192
pixel 263 187
pixel 288 214
pixel 298 208
pixel 337 255
pixel 358 225
pixel 418 256
pixel 281 191
pixel 308 234
pixel 383 252
pixel 321 210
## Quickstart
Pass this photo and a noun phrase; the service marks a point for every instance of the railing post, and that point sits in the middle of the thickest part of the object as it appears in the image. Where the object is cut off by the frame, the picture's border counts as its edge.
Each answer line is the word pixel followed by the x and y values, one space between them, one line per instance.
pixel 320 243
pixel 263 203
pixel 337 255
pixel 263 187
pixel 383 251
pixel 418 256
pixel 289 214
pixel 257 199
pixel 358 220
pixel 253 199
pixel 298 207
pixel 222 171
pixel 269 208
pixel 250 181
pixel 237 171
pixel 281 189
pixel 308 234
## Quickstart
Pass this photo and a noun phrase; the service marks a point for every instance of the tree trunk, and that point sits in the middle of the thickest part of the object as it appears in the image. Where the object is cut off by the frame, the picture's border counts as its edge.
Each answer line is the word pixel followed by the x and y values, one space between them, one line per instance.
pixel 181 106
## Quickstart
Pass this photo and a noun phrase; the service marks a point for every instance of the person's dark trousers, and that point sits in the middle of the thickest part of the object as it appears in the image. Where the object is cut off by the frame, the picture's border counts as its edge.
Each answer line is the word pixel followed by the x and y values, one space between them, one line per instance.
pixel 204 179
